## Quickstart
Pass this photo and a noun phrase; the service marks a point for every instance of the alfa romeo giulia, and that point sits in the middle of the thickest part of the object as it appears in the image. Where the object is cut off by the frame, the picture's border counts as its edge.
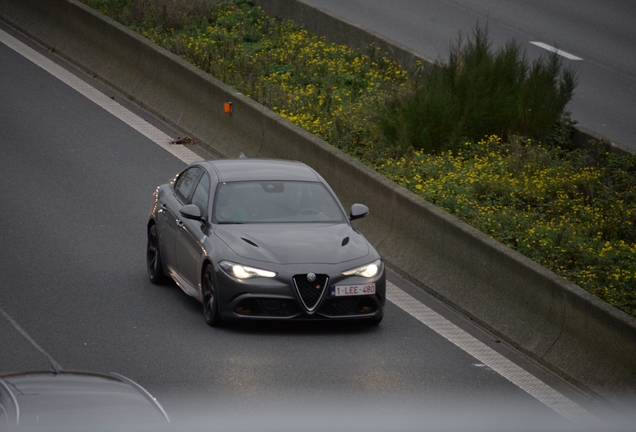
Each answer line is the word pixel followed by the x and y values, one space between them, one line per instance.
pixel 263 239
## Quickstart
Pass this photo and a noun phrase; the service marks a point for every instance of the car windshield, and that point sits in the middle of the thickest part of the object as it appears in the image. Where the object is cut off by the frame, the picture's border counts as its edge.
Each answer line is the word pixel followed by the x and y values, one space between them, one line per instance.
pixel 275 201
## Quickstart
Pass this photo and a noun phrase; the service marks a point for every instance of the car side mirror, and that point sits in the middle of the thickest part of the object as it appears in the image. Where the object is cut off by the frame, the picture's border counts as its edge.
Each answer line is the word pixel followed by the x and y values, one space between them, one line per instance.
pixel 358 211
pixel 191 211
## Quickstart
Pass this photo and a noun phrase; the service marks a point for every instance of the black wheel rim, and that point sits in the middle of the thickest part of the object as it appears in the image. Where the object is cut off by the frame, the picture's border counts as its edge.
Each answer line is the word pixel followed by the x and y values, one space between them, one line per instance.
pixel 153 252
pixel 209 308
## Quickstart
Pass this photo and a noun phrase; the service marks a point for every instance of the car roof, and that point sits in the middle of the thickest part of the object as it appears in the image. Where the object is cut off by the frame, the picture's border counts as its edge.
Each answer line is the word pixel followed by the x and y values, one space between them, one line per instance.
pixel 230 170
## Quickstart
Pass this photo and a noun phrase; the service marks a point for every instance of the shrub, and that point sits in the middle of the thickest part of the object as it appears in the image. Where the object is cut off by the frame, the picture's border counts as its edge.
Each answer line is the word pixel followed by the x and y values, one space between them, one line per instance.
pixel 478 93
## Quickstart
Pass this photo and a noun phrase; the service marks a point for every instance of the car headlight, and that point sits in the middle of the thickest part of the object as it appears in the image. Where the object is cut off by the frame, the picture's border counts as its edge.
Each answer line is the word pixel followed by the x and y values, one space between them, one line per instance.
pixel 368 270
pixel 244 272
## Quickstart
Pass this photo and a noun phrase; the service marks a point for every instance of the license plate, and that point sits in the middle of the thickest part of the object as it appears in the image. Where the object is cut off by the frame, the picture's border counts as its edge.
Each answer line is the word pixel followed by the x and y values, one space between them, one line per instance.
pixel 352 290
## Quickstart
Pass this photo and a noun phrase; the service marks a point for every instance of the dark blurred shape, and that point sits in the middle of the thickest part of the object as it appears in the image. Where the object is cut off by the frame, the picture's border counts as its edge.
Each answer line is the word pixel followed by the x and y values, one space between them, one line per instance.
pixel 54 401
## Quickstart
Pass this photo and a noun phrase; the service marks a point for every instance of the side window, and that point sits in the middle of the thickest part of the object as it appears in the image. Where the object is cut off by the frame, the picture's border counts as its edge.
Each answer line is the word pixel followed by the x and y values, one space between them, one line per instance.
pixel 202 194
pixel 186 182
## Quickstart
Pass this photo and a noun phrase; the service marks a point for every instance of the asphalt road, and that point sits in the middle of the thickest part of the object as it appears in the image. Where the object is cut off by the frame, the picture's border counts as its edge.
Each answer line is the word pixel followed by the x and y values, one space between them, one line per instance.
pixel 74 292
pixel 601 34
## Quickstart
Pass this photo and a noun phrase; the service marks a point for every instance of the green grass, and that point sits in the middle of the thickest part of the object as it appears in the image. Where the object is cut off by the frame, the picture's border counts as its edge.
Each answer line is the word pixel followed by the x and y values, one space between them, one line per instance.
pixel 524 184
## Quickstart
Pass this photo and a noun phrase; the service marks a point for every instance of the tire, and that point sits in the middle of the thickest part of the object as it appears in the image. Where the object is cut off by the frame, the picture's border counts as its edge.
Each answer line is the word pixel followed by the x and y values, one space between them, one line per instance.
pixel 210 303
pixel 153 258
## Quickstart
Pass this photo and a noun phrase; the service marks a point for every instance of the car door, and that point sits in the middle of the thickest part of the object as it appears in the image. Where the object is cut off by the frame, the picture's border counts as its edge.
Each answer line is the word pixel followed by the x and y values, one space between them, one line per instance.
pixel 189 248
pixel 170 201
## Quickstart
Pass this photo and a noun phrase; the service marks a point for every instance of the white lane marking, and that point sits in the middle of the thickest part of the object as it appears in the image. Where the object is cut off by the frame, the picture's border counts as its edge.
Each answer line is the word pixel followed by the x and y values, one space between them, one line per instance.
pixel 428 317
pixel 556 50
pixel 125 115
pixel 488 357
pixel 20 330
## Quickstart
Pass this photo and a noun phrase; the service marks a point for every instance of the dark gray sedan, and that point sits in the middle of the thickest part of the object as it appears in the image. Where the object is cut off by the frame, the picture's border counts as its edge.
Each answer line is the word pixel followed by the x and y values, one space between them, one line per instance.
pixel 263 239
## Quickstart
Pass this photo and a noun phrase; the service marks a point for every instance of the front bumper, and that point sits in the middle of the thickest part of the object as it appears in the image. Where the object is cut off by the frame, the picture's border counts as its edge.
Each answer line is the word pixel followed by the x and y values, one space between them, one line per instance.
pixel 276 300
pixel 254 306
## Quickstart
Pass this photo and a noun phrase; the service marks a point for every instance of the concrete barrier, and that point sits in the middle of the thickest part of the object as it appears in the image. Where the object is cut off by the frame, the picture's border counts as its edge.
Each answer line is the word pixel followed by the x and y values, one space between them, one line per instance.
pixel 549 319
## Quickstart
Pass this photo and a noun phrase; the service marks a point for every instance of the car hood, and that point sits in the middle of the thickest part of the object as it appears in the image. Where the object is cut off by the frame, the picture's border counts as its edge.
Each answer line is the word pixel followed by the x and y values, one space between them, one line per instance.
pixel 295 243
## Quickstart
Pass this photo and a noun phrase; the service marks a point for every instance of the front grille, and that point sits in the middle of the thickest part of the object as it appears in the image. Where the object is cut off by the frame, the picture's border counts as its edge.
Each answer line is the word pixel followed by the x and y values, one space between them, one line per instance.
pixel 348 306
pixel 339 307
pixel 310 293
pixel 266 307
pixel 279 308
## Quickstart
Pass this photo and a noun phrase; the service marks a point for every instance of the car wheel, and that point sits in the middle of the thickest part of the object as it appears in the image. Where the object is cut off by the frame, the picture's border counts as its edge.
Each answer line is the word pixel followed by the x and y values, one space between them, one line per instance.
pixel 210 303
pixel 153 258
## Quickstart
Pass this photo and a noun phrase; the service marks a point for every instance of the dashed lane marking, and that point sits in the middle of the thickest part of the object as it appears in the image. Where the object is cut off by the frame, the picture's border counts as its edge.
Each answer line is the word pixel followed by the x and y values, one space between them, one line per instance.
pixel 556 50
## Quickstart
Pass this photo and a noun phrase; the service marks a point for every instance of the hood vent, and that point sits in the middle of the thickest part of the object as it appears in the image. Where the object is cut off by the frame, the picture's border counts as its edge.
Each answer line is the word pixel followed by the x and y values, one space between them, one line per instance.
pixel 250 242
